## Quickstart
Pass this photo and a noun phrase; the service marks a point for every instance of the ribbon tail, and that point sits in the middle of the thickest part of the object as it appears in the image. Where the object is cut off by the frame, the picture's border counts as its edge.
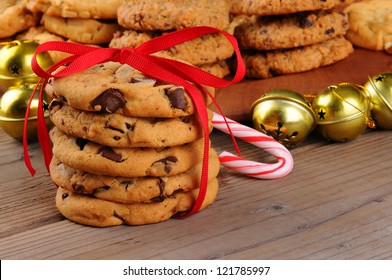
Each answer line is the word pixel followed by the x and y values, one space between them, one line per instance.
pixel 26 154
pixel 43 134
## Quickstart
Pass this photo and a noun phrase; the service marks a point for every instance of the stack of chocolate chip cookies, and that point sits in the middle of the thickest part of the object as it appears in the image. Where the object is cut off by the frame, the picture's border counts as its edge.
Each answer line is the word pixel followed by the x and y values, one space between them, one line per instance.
pixel 282 37
pixel 86 22
pixel 143 20
pixel 127 149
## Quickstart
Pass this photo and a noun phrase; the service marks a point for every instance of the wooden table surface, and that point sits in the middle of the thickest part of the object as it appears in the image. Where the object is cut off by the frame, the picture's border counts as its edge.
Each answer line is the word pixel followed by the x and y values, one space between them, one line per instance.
pixel 335 204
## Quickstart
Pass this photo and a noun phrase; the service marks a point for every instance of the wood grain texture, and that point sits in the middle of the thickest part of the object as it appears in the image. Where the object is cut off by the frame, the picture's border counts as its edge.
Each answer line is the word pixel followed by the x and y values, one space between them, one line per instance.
pixel 336 204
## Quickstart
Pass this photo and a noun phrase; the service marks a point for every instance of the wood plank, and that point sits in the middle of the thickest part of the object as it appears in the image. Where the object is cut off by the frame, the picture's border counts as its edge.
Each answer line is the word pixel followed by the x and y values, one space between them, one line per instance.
pixel 237 100
pixel 335 204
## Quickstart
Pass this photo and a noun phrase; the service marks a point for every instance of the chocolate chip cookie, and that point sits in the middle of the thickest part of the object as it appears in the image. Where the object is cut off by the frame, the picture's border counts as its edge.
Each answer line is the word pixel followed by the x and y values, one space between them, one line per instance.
pixel 279 7
pixel 15 17
pixel 98 9
pixel 96 212
pixel 86 31
pixel 202 50
pixel 130 189
pixel 371 25
pixel 289 31
pixel 118 88
pixel 92 157
pixel 173 14
pixel 273 63
pixel 117 130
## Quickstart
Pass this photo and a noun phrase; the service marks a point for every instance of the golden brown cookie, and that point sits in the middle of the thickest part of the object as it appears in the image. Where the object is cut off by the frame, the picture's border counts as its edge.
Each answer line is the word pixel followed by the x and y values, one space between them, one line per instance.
pixel 116 88
pixel 290 31
pixel 173 14
pixel 273 63
pixel 86 31
pixel 117 130
pixel 98 9
pixel 92 211
pixel 15 17
pixel 279 7
pixel 202 50
pixel 371 24
pixel 130 189
pixel 91 157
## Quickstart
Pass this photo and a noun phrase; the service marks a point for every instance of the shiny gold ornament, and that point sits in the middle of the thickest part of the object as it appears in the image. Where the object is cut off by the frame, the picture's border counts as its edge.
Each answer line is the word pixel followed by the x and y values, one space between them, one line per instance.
pixel 285 115
pixel 343 112
pixel 13 105
pixel 15 63
pixel 380 90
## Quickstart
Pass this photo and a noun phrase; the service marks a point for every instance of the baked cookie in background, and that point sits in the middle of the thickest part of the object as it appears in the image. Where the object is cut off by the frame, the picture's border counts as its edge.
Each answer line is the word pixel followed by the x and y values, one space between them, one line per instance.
pixel 279 7
pixel 144 20
pixel 285 37
pixel 15 17
pixel 371 25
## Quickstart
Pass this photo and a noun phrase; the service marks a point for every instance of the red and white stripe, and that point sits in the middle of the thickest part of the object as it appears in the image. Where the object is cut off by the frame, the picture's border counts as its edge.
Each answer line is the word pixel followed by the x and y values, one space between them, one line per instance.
pixel 281 168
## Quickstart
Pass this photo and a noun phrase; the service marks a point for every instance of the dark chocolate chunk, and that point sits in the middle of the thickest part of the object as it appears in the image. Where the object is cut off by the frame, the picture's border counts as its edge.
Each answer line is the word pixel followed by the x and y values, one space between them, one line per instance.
pixel 81 142
pixel 109 101
pixel 330 31
pixel 177 97
pixel 127 184
pixel 64 196
pixel 109 153
pixel 79 188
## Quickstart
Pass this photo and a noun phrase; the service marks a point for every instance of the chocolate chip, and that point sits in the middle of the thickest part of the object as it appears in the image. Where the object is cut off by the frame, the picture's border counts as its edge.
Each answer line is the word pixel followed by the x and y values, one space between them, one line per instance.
pixel 55 103
pixel 81 142
pixel 129 126
pixel 305 22
pixel 168 168
pixel 64 196
pixel 176 97
pixel 115 214
pixel 109 101
pixel 185 119
pixel 158 199
pixel 330 31
pixel 109 153
pixel 127 184
pixel 79 188
pixel 104 188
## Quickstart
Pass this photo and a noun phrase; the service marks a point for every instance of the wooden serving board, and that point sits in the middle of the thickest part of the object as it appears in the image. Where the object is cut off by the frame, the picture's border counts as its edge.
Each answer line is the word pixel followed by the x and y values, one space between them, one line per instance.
pixel 236 100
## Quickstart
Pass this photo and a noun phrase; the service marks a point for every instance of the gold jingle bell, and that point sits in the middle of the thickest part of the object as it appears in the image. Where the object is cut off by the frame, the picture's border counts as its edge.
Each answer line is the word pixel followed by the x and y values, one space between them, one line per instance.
pixel 380 90
pixel 343 112
pixel 13 105
pixel 285 115
pixel 15 63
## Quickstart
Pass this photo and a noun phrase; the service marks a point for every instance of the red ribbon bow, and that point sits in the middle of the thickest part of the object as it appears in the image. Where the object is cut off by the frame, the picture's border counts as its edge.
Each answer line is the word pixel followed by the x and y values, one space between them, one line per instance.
pixel 140 58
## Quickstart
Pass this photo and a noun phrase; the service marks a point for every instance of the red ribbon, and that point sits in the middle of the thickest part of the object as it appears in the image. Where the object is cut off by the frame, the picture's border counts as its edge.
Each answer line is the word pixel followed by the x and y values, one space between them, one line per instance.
pixel 140 58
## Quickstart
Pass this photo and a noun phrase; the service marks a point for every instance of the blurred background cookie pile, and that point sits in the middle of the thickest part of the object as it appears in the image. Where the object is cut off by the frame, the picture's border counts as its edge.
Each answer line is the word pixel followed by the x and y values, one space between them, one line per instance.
pixel 128 150
pixel 275 37
pixel 282 37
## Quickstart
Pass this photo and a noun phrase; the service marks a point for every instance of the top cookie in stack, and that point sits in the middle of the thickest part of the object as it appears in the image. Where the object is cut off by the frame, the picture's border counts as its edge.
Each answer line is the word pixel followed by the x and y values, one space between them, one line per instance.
pixel 147 19
pixel 282 37
pixel 87 22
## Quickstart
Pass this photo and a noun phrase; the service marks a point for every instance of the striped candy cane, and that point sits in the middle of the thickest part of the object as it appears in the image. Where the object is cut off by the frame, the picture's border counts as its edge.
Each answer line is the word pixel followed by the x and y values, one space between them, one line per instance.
pixel 251 168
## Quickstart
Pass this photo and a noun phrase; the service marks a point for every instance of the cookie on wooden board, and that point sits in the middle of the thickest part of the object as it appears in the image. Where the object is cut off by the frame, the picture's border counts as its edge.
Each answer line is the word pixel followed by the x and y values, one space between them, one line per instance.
pixel 96 212
pixel 290 31
pixel 273 63
pixel 130 189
